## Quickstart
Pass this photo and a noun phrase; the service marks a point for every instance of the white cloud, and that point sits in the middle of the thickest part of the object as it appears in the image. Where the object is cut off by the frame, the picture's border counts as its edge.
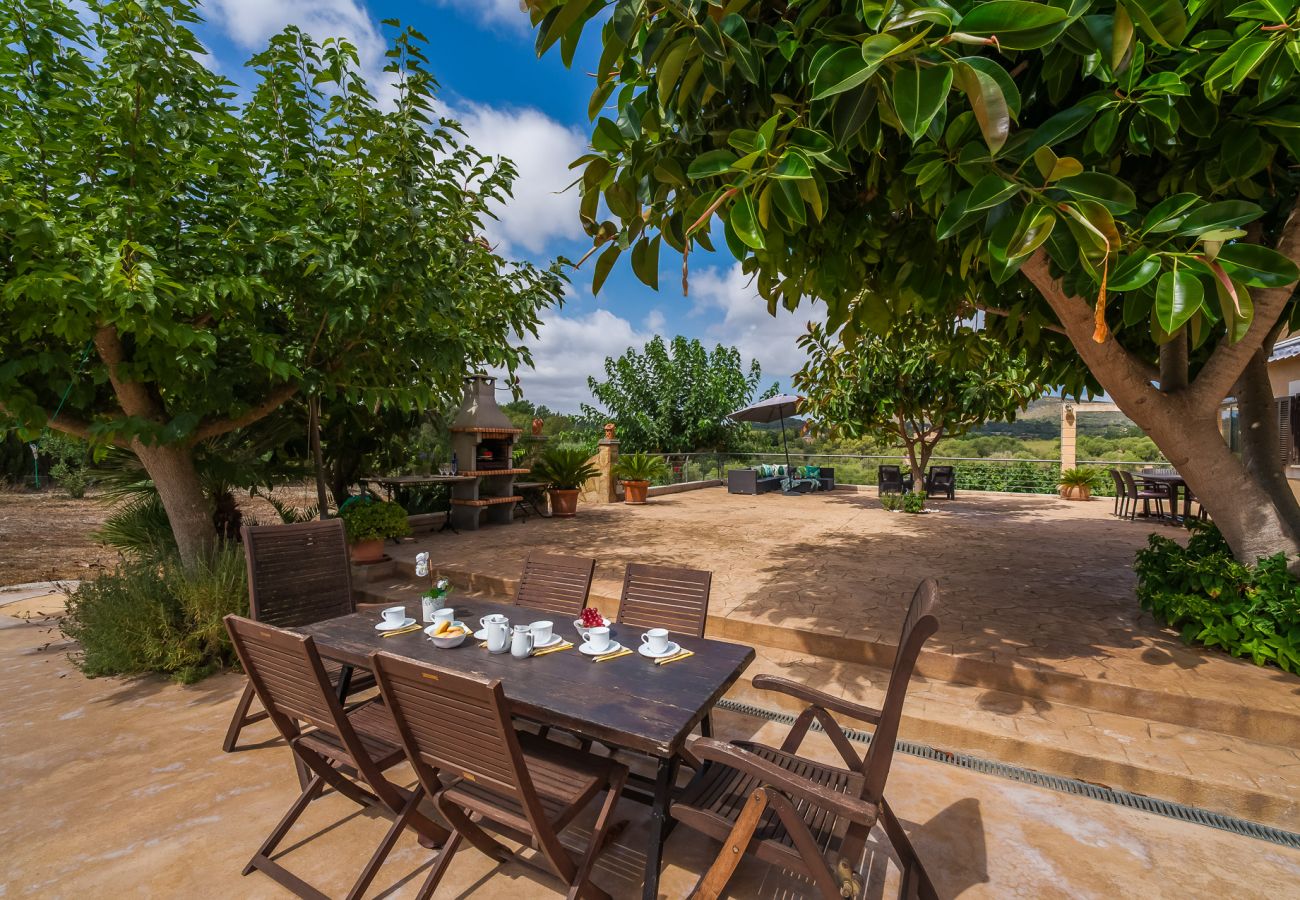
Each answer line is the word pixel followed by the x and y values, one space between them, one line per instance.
pixel 492 12
pixel 541 150
pixel 745 323
pixel 568 349
pixel 251 22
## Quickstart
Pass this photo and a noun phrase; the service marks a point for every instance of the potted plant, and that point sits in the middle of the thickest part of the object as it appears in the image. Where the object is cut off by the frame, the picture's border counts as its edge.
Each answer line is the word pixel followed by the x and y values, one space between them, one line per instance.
pixel 1077 484
pixel 564 469
pixel 636 471
pixel 370 522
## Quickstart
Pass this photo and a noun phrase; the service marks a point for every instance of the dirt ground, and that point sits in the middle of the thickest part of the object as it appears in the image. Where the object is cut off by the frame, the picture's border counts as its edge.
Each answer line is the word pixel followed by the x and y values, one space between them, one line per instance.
pixel 48 536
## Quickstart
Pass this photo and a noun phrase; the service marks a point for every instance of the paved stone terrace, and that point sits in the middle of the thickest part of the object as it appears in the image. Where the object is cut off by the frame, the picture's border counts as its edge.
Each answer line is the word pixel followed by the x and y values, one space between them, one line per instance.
pixel 118 788
pixel 1031 582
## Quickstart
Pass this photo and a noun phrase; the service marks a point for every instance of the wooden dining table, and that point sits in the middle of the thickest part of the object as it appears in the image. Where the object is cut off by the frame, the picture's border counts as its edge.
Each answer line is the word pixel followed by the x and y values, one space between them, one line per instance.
pixel 1173 483
pixel 627 703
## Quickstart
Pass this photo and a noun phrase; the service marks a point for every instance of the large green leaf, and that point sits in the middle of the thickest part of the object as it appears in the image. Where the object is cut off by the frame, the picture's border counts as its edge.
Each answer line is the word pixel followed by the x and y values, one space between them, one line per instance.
pixel 1017 24
pixel 714 162
pixel 1258 266
pixel 604 264
pixel 744 219
pixel 1135 271
pixel 1178 296
pixel 1169 213
pixel 988 104
pixel 1164 21
pixel 1107 190
pixel 1061 127
pixel 989 191
pixel 645 262
pixel 1223 214
pixel 1032 231
pixel 919 93
pixel 843 70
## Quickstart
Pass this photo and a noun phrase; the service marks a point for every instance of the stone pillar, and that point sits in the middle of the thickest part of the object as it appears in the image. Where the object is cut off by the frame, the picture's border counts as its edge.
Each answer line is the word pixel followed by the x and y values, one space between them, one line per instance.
pixel 1068 435
pixel 603 488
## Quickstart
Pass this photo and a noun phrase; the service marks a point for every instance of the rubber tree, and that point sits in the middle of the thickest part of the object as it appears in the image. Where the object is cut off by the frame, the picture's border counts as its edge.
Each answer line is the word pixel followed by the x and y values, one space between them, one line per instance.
pixel 1113 181
pixel 174 267
pixel 925 382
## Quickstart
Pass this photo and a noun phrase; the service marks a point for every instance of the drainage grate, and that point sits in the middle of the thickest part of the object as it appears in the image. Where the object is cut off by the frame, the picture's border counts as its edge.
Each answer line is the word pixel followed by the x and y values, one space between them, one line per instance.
pixel 1169 810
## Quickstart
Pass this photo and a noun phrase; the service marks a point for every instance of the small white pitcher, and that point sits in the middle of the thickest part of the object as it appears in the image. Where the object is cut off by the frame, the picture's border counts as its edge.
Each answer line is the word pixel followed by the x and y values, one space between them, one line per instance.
pixel 521 644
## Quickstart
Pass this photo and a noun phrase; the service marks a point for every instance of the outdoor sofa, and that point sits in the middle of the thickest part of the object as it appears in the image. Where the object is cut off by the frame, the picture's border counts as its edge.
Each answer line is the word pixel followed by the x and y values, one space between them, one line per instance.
pixel 762 479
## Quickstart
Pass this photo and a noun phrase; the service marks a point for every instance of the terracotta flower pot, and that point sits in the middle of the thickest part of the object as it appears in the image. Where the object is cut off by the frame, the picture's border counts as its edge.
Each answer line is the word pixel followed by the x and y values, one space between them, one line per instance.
pixel 365 552
pixel 564 504
pixel 1076 492
pixel 634 492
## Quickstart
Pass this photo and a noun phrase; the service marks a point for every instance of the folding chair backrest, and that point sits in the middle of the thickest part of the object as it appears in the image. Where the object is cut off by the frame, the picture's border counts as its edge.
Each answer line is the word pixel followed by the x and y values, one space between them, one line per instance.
pixel 286 672
pixel 941 474
pixel 920 624
pixel 889 476
pixel 453 722
pixel 665 597
pixel 555 583
pixel 298 574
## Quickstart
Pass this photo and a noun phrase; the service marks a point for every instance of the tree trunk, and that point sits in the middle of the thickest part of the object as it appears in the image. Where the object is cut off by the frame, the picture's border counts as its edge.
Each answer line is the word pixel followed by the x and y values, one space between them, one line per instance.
pixel 172 469
pixel 917 465
pixel 317 461
pixel 1248 497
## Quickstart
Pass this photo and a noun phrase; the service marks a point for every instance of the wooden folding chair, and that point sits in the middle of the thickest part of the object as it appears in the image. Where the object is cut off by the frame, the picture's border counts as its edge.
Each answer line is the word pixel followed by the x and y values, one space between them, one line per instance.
pixel 667 597
pixel 555 583
pixel 457 727
pixel 297 574
pixel 803 815
pixel 346 750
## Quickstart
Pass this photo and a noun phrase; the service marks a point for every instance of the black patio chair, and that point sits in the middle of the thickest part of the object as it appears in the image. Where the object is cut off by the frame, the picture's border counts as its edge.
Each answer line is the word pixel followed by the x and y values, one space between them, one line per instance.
pixel 1146 494
pixel 891 480
pixel 941 480
pixel 1121 495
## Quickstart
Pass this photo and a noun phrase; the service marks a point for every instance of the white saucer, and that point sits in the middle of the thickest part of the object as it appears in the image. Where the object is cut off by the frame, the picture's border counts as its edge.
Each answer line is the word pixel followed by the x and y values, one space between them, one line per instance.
pixel 384 626
pixel 613 647
pixel 480 635
pixel 555 639
pixel 671 650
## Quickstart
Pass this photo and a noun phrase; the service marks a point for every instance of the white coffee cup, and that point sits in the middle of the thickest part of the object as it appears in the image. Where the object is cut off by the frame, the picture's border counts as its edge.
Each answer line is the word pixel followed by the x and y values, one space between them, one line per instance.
pixel 394 615
pixel 498 636
pixel 657 638
pixel 598 638
pixel 542 632
pixel 446 614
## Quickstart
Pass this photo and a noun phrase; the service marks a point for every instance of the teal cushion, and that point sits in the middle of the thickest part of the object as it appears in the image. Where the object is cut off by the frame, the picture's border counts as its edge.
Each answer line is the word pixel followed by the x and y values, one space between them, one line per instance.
pixel 813 472
pixel 764 470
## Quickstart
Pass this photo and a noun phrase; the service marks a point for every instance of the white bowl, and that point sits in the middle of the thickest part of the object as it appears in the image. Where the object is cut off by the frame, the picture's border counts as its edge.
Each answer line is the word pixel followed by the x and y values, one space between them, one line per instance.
pixel 446 643
pixel 582 629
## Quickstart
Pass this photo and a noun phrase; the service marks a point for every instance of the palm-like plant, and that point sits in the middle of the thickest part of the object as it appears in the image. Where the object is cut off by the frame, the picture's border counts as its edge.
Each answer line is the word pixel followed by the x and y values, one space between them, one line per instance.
pixel 564 468
pixel 640 467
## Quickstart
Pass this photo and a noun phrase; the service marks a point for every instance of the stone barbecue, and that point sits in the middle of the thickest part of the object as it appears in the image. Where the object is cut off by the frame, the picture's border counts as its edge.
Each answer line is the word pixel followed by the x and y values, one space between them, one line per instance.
pixel 483 440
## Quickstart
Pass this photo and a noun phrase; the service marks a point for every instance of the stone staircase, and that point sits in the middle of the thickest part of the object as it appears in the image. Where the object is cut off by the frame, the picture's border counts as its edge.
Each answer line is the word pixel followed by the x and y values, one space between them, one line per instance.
pixel 1231 758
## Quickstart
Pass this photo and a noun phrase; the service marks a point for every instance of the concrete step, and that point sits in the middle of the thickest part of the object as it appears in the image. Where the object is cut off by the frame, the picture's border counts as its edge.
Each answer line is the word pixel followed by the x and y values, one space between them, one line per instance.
pixel 1254 780
pixel 1254 721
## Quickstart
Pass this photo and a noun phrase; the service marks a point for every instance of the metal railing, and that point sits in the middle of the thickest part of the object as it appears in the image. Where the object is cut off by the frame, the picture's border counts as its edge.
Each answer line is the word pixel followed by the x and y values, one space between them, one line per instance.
pixel 1022 476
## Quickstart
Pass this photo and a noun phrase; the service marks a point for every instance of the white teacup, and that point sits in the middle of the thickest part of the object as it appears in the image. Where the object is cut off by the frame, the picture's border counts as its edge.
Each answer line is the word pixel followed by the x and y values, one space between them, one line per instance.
pixel 394 615
pixel 598 638
pixel 542 632
pixel 446 614
pixel 494 619
pixel 657 639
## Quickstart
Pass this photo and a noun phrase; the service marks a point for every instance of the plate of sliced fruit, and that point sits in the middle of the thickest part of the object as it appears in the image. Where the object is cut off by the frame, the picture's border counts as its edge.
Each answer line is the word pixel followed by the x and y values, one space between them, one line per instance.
pixel 591 618
pixel 446 635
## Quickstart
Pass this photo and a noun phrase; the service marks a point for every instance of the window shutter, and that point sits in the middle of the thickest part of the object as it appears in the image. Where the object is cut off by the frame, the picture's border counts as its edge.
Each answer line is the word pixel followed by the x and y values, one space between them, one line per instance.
pixel 1292 450
pixel 1287 408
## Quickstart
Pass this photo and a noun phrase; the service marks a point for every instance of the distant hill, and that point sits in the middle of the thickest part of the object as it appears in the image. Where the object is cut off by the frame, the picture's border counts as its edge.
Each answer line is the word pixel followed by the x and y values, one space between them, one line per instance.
pixel 1042 418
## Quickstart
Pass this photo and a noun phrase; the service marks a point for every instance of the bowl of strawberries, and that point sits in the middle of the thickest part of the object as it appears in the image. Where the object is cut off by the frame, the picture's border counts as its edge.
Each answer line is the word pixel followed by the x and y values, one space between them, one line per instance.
pixel 591 618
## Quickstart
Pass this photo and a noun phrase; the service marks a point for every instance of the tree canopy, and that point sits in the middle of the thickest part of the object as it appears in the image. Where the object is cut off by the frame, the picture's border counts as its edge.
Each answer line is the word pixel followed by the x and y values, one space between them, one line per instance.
pixel 180 265
pixel 927 381
pixel 675 397
pixel 1114 181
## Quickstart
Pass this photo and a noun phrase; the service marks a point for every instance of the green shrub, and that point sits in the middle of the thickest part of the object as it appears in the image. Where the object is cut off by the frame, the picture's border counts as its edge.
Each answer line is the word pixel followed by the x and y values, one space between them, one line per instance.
pixel 156 616
pixel 914 502
pixel 1214 600
pixel 640 467
pixel 72 477
pixel 1084 476
pixel 892 501
pixel 368 519
pixel 564 468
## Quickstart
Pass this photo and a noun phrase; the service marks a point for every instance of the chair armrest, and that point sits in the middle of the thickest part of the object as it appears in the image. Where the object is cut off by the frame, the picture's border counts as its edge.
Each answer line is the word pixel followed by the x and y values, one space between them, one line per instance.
pixel 817 698
pixel 772 775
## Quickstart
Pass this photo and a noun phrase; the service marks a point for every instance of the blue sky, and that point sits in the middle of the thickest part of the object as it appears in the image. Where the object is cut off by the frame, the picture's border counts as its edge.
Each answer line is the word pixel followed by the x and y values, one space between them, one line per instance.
pixel 533 111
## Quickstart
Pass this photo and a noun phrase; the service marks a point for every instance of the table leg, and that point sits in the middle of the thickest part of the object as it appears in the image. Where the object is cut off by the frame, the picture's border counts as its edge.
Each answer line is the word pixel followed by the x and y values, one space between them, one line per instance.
pixel 345 682
pixel 660 826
